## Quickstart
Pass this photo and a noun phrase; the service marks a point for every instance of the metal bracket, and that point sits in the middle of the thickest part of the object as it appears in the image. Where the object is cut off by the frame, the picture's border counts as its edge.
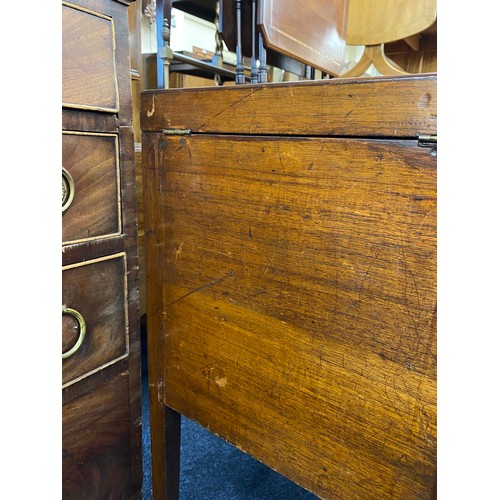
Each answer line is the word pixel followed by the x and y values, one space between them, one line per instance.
pixel 427 141
pixel 177 131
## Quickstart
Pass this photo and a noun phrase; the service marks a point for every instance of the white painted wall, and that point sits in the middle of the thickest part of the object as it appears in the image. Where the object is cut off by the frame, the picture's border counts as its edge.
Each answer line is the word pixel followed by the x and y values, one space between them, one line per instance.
pixel 189 31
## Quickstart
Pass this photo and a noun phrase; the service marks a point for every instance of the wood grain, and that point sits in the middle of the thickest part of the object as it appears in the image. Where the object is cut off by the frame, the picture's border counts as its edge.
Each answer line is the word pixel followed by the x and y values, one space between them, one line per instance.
pixel 97 290
pixel 164 422
pixel 312 32
pixel 372 22
pixel 383 107
pixel 96 443
pixel 294 294
pixel 88 56
pixel 93 162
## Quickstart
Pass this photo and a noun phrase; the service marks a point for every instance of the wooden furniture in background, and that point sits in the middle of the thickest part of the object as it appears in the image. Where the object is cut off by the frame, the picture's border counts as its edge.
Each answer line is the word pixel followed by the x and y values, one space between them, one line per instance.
pixel 373 23
pixel 308 37
pixel 290 44
pixel 291 267
pixel 311 32
pixel 101 413
pixel 417 54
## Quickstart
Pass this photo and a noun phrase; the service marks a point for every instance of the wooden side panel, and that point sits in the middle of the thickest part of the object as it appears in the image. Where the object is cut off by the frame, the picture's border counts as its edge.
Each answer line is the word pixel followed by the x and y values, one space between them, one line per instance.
pixel 297 291
pixel 382 107
pixel 96 443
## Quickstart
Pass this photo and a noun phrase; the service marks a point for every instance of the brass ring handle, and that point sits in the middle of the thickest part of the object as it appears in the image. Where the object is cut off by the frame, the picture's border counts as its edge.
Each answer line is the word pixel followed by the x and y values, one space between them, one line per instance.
pixel 83 330
pixel 68 189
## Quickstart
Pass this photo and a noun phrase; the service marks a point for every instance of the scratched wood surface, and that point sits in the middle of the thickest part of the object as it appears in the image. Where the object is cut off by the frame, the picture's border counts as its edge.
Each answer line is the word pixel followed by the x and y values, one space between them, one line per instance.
pixel 293 298
pixel 382 106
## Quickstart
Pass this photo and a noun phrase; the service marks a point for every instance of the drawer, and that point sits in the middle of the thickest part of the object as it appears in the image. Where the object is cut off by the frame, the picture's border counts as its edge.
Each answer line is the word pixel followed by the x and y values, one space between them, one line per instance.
pixel 88 60
pixel 95 294
pixel 91 186
pixel 96 442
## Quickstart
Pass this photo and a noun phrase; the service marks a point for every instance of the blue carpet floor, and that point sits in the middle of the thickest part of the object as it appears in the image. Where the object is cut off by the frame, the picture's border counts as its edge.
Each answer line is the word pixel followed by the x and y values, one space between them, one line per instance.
pixel 212 469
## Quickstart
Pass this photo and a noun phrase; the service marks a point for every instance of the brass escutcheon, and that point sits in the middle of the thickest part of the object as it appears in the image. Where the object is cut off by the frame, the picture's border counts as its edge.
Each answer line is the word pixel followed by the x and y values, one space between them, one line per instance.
pixel 82 327
pixel 68 189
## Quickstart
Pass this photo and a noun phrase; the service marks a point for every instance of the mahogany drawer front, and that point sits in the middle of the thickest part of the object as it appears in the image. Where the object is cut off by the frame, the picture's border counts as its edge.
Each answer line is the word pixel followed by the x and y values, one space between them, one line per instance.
pixel 96 290
pixel 96 442
pixel 89 78
pixel 92 163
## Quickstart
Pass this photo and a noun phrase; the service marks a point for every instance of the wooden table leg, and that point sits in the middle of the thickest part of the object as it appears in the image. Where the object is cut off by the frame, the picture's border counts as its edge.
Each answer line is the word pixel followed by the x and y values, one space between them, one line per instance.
pixel 165 452
pixel 164 422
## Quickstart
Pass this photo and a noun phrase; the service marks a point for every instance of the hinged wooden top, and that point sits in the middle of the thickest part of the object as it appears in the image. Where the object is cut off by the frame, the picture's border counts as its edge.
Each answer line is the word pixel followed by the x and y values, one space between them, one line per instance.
pixel 403 106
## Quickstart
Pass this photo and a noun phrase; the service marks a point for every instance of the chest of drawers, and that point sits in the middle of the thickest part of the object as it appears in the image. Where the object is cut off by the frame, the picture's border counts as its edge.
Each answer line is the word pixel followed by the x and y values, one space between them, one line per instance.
pixel 101 414
pixel 291 267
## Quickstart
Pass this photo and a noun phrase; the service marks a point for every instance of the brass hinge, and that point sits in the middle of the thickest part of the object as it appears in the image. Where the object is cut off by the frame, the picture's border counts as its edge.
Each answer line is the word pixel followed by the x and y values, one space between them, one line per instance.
pixel 427 141
pixel 177 131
